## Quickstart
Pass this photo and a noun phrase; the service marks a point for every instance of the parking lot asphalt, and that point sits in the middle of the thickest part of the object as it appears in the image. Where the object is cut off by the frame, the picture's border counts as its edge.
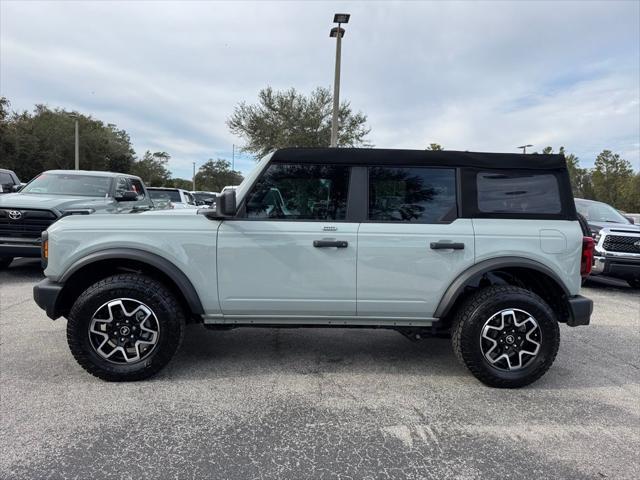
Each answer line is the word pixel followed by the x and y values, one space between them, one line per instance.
pixel 317 403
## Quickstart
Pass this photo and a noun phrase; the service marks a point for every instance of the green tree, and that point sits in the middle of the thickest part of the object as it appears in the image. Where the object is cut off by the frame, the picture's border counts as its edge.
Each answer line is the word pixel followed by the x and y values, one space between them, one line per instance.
pixel 214 175
pixel 44 139
pixel 611 178
pixel 291 119
pixel 179 183
pixel 152 168
pixel 580 177
pixel 435 146
pixel 631 194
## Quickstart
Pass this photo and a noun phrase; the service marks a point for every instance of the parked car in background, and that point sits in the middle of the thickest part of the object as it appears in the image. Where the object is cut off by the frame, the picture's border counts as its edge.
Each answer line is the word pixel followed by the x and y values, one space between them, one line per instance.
pixel 58 193
pixel 617 249
pixel 9 182
pixel 633 216
pixel 171 197
pixel 418 241
pixel 205 198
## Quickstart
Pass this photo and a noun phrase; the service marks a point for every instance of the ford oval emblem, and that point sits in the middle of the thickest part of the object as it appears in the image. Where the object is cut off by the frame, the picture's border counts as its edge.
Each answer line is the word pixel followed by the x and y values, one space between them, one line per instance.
pixel 637 244
pixel 15 214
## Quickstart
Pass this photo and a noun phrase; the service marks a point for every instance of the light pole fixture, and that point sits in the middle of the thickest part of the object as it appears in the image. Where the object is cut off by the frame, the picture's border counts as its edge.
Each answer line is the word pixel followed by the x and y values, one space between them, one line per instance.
pixel 524 148
pixel 75 116
pixel 193 179
pixel 338 33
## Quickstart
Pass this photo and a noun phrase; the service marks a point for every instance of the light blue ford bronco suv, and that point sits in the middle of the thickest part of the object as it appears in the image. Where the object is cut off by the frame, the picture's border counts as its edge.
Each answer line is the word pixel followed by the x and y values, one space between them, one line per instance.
pixel 484 247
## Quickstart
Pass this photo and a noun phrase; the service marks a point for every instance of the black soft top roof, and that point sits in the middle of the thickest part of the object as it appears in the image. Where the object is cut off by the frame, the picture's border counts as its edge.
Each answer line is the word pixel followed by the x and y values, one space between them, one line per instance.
pixel 445 158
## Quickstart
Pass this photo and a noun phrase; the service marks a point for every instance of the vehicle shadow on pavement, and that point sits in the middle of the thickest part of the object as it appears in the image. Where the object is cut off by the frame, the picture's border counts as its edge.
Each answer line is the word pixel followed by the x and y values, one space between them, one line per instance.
pixel 304 351
pixel 23 270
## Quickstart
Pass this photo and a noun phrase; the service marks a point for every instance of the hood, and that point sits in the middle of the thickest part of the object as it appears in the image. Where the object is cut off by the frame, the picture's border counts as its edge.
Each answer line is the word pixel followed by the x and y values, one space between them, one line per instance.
pixel 49 202
pixel 597 226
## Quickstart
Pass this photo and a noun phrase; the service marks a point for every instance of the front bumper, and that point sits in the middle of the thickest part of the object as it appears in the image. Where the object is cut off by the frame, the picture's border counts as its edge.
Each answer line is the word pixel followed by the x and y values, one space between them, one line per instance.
pixel 618 266
pixel 580 309
pixel 47 294
pixel 12 247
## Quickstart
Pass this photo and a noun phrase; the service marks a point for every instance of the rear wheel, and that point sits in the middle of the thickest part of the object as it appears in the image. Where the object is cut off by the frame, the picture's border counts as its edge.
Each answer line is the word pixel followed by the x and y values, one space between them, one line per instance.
pixel 506 336
pixel 5 262
pixel 125 327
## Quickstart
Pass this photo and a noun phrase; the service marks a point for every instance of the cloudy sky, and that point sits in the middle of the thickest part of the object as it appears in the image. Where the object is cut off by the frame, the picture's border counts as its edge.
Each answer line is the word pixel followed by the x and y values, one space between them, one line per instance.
pixel 485 76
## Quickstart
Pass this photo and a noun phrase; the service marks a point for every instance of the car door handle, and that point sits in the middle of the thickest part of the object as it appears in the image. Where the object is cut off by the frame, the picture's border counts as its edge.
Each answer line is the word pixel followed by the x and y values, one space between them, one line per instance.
pixel 447 246
pixel 330 243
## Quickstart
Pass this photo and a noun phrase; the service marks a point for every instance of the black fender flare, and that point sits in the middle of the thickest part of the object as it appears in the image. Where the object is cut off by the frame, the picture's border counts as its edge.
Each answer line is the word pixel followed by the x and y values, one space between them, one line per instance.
pixel 457 287
pixel 180 279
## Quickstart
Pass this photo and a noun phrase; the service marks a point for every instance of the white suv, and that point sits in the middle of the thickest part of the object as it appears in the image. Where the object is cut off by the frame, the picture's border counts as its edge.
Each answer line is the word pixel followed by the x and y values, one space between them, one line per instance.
pixel 485 247
pixel 171 197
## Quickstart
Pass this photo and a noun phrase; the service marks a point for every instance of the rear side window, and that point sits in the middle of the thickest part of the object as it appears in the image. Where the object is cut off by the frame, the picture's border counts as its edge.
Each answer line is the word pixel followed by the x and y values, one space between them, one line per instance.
pixel 300 192
pixel 420 194
pixel 516 193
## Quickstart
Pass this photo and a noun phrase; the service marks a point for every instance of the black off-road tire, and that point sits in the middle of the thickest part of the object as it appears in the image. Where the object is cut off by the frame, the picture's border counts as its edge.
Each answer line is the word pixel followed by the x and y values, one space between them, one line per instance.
pixel 169 313
pixel 5 262
pixel 467 331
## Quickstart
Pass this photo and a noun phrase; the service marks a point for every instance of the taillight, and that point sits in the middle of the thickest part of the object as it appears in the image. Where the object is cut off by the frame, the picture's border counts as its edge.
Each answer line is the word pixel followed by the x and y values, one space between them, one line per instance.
pixel 587 256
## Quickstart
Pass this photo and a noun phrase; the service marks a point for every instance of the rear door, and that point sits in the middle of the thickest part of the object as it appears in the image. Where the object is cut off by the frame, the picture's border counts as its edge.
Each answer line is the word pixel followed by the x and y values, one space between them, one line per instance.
pixel 292 251
pixel 412 244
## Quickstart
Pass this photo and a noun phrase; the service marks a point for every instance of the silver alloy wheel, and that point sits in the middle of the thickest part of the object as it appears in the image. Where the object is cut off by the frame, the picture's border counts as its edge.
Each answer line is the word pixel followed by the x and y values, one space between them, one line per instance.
pixel 510 339
pixel 124 331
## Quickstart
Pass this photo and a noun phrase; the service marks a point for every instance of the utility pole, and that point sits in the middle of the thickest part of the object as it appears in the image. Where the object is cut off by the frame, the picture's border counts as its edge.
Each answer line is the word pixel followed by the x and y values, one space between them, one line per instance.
pixel 77 146
pixel 233 156
pixel 194 177
pixel 337 32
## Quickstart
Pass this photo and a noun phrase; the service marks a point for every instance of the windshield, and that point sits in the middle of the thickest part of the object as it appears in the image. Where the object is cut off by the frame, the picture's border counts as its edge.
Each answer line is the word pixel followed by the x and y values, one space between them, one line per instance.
pixel 241 190
pixel 599 212
pixel 165 195
pixel 69 184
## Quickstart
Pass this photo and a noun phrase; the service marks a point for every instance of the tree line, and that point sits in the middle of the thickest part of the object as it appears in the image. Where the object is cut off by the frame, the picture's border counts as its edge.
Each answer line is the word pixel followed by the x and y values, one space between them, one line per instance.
pixel 32 142
pixel 44 139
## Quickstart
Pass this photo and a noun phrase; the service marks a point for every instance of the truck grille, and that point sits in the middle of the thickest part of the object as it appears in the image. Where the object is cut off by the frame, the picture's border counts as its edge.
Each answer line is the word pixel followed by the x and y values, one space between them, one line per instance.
pixel 24 223
pixel 619 243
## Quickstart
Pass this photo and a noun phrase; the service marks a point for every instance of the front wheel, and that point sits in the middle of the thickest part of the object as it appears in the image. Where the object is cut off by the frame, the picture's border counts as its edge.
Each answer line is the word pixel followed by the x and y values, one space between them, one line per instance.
pixel 125 327
pixel 506 336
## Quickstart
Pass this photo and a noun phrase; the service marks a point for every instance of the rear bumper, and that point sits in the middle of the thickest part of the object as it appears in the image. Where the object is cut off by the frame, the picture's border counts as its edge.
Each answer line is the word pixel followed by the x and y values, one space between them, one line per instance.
pixel 46 294
pixel 580 309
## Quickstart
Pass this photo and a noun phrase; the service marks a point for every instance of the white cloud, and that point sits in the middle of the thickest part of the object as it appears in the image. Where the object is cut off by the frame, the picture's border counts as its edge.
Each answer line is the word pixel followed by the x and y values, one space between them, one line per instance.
pixel 469 75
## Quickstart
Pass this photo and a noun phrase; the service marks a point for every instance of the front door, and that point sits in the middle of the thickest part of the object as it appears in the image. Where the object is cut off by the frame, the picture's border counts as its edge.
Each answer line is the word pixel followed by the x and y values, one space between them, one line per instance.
pixel 412 245
pixel 291 251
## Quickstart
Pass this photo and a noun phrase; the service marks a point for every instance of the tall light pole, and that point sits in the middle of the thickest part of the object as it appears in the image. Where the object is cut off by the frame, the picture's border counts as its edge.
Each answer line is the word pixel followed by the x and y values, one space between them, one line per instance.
pixel 193 179
pixel 524 148
pixel 338 33
pixel 77 145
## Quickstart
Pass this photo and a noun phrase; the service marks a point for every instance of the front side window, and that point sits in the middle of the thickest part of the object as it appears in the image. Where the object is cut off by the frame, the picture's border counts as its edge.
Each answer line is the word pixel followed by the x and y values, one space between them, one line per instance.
pixel 136 186
pixel 420 194
pixel 518 193
pixel 122 185
pixel 300 192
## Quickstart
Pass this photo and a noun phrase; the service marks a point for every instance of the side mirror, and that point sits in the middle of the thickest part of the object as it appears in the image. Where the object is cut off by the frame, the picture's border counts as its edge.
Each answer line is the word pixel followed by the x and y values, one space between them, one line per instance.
pixel 17 188
pixel 128 196
pixel 631 220
pixel 226 204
